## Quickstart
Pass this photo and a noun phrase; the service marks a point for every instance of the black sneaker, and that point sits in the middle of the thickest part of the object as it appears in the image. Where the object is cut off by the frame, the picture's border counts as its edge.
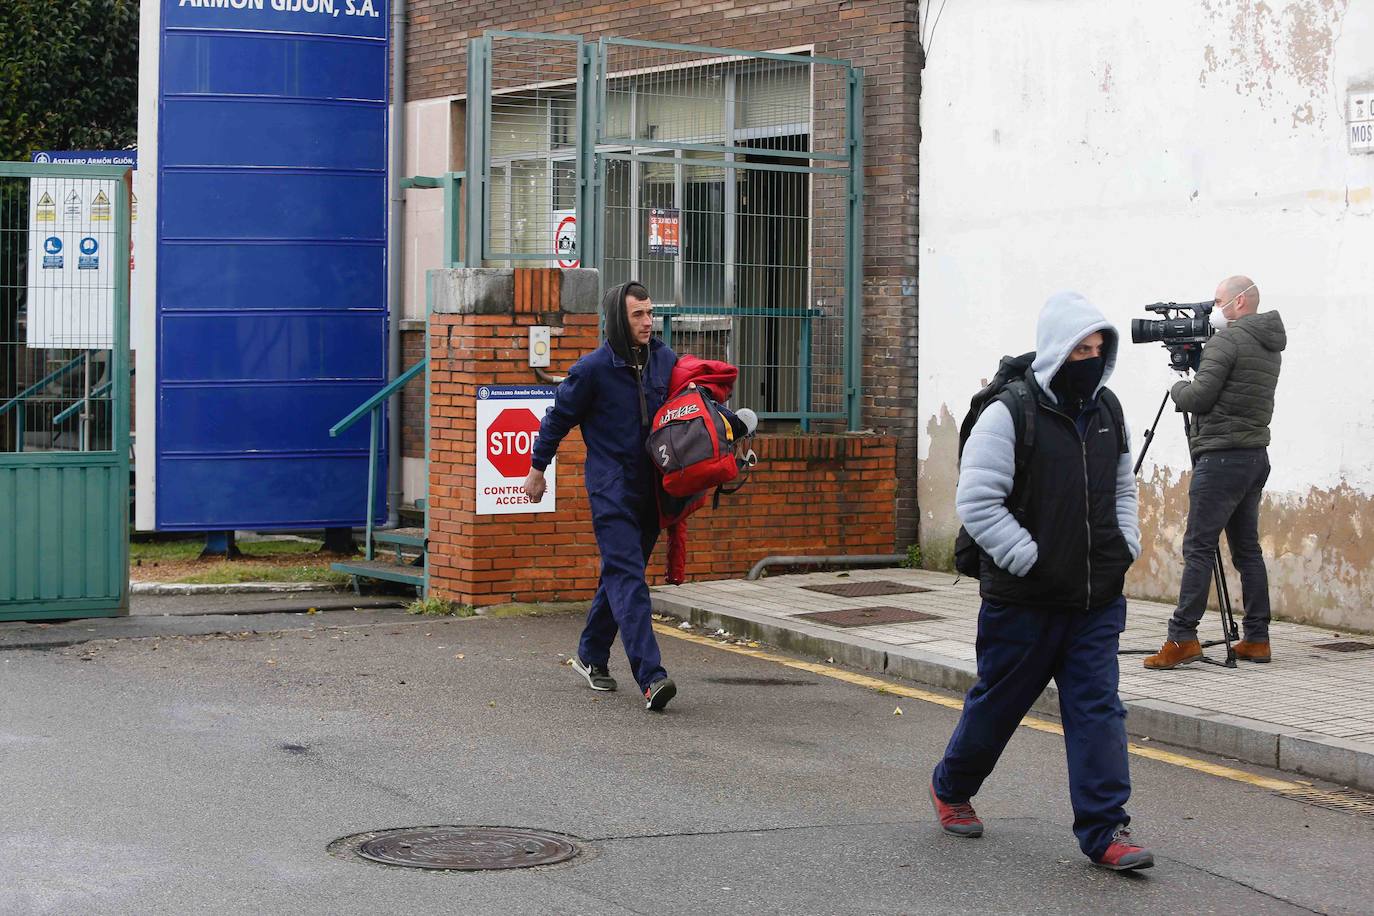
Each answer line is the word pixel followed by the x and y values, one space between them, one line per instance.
pixel 598 676
pixel 659 693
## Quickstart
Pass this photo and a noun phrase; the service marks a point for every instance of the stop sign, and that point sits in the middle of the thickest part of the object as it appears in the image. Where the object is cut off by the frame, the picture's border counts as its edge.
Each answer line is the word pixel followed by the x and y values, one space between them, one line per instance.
pixel 510 441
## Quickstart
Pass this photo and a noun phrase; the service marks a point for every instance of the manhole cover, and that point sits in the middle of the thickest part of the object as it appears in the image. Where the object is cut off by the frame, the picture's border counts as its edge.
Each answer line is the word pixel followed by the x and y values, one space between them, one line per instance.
pixel 1344 646
pixel 868 616
pixel 870 589
pixel 1347 800
pixel 468 848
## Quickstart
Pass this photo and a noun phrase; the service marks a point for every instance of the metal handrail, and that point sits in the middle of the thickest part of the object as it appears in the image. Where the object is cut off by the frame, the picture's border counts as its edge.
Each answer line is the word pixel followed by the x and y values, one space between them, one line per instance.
pixel 377 399
pixel 44 382
pixel 373 407
pixel 97 392
pixel 452 185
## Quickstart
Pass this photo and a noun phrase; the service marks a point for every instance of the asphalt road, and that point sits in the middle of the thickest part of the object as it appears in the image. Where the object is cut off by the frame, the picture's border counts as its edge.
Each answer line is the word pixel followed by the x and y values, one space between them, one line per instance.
pixel 209 773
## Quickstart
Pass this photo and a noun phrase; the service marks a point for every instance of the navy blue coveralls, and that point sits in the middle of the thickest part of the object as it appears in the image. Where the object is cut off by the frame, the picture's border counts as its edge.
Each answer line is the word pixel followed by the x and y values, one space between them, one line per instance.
pixel 1019 650
pixel 600 396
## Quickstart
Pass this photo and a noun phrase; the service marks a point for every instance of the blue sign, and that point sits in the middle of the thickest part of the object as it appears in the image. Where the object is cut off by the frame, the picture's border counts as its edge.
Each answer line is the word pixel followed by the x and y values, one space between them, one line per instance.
pixel 127 157
pixel 271 270
pixel 88 260
pixel 52 253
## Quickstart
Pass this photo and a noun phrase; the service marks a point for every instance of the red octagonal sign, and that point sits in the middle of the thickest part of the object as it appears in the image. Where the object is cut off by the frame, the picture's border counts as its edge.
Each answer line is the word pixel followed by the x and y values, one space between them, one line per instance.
pixel 510 441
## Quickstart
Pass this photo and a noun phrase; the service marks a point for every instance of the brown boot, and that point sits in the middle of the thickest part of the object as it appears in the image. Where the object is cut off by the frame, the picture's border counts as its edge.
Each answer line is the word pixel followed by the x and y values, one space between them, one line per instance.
pixel 1172 654
pixel 1252 651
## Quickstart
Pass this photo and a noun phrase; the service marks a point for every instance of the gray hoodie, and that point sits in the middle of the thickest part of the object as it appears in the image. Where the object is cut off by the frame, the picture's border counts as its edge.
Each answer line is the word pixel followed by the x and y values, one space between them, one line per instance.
pixel 988 466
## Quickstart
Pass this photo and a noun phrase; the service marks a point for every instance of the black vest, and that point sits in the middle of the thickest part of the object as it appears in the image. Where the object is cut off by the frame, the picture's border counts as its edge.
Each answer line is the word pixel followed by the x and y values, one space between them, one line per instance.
pixel 1069 500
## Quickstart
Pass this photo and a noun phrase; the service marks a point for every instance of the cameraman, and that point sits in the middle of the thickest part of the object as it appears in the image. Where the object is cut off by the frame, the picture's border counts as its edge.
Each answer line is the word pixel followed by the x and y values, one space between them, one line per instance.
pixel 1232 401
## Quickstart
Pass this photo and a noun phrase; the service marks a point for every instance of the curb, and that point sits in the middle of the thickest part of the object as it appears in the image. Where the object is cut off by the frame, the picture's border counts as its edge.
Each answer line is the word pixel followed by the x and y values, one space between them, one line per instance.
pixel 230 588
pixel 1248 740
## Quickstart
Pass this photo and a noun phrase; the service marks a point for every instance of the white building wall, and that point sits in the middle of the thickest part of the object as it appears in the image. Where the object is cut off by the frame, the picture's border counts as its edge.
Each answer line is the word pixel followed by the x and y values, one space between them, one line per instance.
pixel 1139 153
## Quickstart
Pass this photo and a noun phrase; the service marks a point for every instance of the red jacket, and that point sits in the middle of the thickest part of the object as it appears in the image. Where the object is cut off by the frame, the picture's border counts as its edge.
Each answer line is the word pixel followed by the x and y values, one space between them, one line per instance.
pixel 718 380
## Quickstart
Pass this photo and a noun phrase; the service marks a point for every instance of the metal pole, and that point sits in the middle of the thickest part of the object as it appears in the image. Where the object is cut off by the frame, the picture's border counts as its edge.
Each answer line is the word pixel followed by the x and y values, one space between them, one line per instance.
pixel 395 268
pixel 86 402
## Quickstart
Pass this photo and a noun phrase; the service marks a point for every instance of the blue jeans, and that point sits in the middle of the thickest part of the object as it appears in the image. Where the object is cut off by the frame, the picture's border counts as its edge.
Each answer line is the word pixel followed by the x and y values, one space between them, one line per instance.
pixel 1019 651
pixel 1224 496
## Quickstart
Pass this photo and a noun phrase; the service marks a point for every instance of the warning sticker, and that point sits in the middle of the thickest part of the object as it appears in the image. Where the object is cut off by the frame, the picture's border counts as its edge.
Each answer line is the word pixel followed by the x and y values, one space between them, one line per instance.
pixel 133 207
pixel 47 210
pixel 100 208
pixel 72 205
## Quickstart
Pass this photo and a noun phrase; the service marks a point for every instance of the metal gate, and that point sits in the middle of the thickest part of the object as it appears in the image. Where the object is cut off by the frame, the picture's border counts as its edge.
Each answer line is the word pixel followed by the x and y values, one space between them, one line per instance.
pixel 65 260
pixel 728 181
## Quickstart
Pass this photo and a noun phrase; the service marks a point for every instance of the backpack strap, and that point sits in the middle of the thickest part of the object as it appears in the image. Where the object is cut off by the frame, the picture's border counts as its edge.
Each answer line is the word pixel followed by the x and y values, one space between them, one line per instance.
pixel 1019 400
pixel 1113 404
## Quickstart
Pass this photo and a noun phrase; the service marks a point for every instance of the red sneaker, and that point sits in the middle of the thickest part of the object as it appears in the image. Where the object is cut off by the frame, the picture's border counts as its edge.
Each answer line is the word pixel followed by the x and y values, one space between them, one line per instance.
pixel 956 820
pixel 1123 855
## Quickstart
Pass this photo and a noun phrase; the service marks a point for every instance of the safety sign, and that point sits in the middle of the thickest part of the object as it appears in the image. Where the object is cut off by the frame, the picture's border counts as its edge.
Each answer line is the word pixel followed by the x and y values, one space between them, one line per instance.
pixel 90 259
pixel 508 420
pixel 52 253
pixel 64 311
pixel 565 238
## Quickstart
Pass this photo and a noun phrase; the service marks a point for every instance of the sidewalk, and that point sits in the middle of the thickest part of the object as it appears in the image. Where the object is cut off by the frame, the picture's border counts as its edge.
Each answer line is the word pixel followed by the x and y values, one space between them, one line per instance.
pixel 1311 711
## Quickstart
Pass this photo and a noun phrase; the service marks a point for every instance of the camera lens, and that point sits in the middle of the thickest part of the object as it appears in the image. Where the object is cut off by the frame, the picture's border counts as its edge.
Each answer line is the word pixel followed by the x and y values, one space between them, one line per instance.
pixel 1143 330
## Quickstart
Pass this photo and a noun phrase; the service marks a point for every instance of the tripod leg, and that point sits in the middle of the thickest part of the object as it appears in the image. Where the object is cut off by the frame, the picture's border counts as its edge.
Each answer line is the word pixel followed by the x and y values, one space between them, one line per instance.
pixel 1228 619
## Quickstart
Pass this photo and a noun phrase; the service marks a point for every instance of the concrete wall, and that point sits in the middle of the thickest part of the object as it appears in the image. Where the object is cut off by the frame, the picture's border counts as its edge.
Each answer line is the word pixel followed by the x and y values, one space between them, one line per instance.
pixel 1138 153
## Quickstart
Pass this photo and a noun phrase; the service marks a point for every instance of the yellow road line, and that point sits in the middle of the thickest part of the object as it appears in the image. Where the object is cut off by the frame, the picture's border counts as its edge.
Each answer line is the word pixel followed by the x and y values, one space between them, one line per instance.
pixel 1041 725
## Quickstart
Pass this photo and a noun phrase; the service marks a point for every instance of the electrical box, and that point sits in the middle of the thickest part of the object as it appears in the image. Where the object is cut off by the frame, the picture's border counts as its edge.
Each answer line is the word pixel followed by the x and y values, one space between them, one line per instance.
pixel 539 347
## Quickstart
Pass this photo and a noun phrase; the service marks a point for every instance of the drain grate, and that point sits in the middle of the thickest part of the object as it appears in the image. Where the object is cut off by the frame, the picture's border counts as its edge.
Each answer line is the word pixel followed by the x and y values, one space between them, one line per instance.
pixel 870 589
pixel 457 848
pixel 1351 802
pixel 868 616
pixel 1344 646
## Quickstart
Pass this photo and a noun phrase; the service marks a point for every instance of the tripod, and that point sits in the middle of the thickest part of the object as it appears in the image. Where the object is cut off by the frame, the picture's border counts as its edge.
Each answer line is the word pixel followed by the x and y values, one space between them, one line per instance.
pixel 1229 632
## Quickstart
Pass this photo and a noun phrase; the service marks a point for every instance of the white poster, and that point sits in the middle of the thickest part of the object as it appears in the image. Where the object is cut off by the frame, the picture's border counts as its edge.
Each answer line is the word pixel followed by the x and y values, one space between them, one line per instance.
pixel 70 277
pixel 507 423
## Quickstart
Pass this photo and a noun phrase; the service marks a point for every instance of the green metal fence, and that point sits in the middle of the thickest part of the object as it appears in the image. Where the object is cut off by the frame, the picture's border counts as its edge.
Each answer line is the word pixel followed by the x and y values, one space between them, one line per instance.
pixel 728 181
pixel 64 390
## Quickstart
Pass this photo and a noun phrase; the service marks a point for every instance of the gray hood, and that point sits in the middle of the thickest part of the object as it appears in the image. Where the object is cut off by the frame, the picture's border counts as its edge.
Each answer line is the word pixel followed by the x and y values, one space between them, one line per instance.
pixel 1066 319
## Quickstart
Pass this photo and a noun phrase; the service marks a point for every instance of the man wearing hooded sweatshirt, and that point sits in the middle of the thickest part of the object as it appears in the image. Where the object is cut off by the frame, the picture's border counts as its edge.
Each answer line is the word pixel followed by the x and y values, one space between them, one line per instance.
pixel 1051 582
pixel 1232 401
pixel 612 393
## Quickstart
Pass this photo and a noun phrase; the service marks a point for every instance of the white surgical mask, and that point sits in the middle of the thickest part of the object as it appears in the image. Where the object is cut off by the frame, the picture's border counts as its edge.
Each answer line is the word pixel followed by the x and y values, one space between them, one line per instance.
pixel 1218 319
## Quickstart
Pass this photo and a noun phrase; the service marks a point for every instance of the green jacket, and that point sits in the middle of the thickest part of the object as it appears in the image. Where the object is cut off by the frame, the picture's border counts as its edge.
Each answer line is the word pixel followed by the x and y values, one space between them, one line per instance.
pixel 1232 395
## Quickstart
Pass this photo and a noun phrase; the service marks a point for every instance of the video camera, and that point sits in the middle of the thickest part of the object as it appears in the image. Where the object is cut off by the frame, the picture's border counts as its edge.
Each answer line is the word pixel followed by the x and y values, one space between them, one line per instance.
pixel 1182 334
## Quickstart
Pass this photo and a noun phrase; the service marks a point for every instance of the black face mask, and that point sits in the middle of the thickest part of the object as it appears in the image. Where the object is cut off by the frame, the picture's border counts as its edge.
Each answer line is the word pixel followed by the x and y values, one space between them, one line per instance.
pixel 1076 382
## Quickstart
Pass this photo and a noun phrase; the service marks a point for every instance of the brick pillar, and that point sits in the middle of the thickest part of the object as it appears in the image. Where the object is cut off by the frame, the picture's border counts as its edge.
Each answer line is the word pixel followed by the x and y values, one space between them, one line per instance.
pixel 479 336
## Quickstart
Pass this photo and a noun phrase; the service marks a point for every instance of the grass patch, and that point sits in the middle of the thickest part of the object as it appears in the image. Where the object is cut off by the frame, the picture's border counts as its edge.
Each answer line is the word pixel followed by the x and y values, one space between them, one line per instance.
pixel 434 606
pixel 175 551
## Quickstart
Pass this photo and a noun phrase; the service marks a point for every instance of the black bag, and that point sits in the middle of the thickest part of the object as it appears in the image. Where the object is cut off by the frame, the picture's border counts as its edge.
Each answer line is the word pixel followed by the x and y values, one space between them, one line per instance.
pixel 1011 385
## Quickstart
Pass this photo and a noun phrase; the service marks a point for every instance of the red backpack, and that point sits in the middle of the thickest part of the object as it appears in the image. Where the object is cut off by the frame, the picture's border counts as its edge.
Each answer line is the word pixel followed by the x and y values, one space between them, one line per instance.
pixel 691 444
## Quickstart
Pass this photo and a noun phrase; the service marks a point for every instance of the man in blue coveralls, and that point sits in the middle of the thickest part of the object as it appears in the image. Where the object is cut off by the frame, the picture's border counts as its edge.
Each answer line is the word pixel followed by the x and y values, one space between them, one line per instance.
pixel 613 393
pixel 1051 581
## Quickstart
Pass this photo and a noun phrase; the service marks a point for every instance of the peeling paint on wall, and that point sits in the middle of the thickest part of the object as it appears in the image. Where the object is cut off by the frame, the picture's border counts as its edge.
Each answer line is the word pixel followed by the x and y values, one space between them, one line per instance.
pixel 1282 59
pixel 938 477
pixel 1321 568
